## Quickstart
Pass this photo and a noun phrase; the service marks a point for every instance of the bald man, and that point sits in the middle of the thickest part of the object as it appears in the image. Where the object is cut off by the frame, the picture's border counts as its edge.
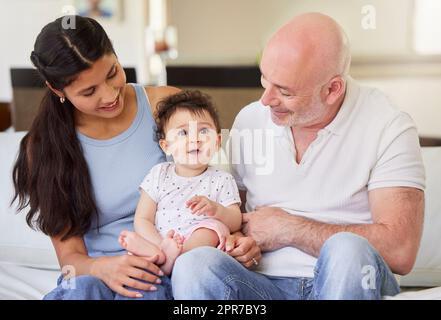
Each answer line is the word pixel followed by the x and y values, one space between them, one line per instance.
pixel 341 208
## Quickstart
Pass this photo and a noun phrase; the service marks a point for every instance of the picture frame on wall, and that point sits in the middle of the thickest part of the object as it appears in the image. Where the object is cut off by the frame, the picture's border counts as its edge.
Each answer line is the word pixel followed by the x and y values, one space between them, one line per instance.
pixel 106 10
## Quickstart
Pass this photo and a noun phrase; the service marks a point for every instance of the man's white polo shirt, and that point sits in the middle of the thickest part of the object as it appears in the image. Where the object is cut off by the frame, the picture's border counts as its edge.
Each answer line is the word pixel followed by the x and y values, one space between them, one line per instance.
pixel 368 145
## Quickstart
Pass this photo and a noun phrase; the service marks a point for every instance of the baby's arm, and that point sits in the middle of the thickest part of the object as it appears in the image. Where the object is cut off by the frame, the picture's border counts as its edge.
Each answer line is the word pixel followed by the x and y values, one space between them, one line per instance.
pixel 230 216
pixel 145 219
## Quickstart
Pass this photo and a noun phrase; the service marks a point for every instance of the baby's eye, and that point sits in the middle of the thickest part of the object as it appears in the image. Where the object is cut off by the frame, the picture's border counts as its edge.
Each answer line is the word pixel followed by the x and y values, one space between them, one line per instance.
pixel 182 132
pixel 204 131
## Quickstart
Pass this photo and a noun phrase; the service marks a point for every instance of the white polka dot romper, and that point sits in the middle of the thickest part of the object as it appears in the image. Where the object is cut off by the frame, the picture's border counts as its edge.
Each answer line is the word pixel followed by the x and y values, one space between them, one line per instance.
pixel 171 192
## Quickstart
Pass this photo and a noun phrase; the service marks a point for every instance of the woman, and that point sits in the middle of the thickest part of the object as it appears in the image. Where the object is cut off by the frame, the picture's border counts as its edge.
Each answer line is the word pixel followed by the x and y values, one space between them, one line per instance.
pixel 82 161
pixel 80 165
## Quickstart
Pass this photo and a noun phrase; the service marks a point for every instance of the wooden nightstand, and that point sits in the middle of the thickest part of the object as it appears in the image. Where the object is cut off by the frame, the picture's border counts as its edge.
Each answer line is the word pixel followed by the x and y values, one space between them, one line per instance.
pixel 5 116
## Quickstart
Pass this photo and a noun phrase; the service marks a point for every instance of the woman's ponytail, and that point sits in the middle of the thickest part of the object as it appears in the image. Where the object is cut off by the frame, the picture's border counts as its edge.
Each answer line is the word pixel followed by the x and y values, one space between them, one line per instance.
pixel 51 175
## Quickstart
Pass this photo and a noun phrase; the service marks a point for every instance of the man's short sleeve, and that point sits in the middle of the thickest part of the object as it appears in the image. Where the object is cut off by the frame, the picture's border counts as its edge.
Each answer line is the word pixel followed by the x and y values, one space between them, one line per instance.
pixel 399 161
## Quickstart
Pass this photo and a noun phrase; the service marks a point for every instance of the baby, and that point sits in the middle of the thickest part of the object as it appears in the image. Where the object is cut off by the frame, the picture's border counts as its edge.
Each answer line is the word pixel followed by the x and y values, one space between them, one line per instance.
pixel 186 203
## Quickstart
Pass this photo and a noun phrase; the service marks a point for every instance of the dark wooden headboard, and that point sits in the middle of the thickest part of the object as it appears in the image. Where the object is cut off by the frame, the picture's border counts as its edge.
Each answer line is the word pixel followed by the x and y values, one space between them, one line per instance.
pixel 430 142
pixel 28 90
pixel 230 87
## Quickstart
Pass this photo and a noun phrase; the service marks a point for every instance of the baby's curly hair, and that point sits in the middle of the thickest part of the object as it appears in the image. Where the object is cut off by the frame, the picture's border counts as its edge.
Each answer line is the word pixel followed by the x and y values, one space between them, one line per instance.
pixel 192 100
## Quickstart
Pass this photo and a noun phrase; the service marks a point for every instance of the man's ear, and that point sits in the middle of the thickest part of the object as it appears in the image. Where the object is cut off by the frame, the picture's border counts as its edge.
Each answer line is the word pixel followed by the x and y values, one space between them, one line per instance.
pixel 336 89
pixel 164 146
pixel 59 93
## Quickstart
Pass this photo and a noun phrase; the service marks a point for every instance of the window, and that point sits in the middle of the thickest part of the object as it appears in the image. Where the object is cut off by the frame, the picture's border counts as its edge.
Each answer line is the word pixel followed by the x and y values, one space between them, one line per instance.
pixel 427 28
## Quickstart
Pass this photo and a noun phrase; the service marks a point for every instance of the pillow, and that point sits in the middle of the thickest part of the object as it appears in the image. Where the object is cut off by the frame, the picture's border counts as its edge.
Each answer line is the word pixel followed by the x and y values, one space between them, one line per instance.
pixel 19 244
pixel 427 269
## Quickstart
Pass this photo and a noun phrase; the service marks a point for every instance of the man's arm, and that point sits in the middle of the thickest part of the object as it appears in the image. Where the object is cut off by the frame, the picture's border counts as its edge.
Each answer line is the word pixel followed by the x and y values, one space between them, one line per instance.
pixel 397 215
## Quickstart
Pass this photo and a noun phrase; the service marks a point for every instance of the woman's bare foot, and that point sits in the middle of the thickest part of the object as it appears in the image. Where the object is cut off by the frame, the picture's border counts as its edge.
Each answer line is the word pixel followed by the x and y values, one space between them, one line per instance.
pixel 138 246
pixel 172 248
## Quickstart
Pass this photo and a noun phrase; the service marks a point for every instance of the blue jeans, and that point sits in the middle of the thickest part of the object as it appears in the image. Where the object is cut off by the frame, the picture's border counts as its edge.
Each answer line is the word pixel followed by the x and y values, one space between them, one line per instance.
pixel 92 288
pixel 348 267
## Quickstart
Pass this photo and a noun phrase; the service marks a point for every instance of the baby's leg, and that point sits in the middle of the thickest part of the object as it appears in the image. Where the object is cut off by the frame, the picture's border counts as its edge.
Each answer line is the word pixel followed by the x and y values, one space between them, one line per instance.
pixel 137 245
pixel 171 245
pixel 201 237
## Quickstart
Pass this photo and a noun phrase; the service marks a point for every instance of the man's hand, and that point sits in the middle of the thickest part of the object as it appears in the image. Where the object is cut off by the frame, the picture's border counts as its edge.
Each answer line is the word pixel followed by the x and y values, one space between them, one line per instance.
pixel 202 205
pixel 243 249
pixel 265 225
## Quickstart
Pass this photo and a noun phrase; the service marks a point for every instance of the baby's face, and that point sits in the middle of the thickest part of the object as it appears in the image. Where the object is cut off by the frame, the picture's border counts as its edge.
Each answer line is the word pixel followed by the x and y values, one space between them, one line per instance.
pixel 190 138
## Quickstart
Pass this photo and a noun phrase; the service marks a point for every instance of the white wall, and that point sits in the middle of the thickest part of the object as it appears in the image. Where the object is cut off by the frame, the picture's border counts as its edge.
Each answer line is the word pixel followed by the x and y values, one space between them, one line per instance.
pixel 418 96
pixel 235 31
pixel 22 20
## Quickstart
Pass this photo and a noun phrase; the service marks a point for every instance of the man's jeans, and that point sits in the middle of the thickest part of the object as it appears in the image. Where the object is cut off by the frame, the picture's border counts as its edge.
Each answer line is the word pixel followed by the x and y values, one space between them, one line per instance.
pixel 348 267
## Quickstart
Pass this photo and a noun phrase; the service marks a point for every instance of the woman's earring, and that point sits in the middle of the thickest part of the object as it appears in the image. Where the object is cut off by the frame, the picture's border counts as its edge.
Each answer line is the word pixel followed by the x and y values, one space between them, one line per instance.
pixel 62 99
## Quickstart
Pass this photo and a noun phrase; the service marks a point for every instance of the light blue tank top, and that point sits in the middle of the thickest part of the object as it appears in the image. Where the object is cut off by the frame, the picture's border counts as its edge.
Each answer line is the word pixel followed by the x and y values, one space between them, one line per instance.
pixel 117 167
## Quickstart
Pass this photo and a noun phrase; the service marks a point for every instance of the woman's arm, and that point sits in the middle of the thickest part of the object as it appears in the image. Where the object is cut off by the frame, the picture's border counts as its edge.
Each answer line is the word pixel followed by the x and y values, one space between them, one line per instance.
pixel 118 272
pixel 156 94
pixel 72 255
pixel 145 219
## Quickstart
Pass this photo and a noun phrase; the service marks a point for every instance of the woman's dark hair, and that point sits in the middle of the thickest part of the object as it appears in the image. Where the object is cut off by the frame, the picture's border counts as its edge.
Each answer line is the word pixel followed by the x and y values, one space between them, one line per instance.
pixel 51 174
pixel 192 100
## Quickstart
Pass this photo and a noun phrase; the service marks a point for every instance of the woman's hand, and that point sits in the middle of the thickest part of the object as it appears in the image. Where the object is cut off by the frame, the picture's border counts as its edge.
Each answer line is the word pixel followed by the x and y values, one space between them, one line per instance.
pixel 243 249
pixel 126 271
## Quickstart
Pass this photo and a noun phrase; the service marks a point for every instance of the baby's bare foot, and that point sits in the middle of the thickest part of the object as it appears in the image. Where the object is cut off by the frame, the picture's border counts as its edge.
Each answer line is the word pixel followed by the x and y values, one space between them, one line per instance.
pixel 137 245
pixel 178 238
pixel 172 248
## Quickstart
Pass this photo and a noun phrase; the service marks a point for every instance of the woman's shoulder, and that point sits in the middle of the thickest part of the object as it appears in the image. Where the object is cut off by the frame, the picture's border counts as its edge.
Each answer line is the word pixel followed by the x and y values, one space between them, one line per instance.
pixel 156 94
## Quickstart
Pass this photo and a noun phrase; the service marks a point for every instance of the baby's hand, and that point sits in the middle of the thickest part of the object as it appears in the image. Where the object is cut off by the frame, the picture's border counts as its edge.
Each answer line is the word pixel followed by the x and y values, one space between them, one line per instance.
pixel 202 205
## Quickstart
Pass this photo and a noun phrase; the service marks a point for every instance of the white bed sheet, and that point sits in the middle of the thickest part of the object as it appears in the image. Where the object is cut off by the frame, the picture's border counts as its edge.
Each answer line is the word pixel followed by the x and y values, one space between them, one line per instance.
pixel 24 283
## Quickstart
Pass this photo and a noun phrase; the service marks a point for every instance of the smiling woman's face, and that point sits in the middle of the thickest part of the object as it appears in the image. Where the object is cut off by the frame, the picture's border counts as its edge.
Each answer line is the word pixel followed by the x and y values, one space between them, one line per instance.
pixel 99 90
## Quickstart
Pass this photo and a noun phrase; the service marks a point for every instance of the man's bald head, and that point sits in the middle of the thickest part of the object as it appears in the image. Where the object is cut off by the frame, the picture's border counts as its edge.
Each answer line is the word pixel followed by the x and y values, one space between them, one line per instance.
pixel 304 67
pixel 313 46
